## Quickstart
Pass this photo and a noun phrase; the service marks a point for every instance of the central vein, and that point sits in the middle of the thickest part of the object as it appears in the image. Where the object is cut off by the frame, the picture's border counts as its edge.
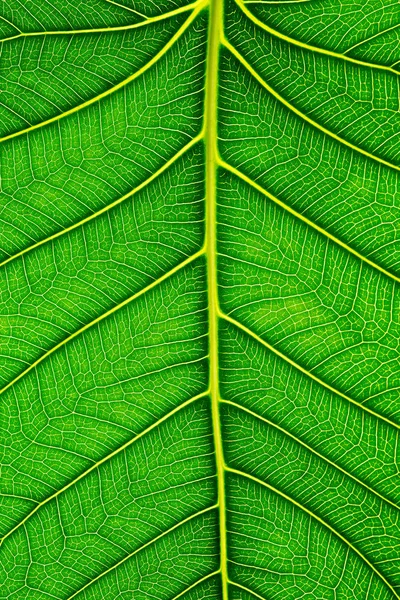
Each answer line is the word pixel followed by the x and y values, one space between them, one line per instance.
pixel 211 103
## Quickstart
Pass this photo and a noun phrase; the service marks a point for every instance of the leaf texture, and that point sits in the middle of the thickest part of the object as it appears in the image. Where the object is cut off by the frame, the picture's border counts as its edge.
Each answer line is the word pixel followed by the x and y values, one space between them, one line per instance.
pixel 199 282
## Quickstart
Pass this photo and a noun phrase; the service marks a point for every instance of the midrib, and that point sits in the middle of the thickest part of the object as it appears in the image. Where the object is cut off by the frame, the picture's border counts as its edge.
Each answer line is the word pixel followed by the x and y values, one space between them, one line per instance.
pixel 211 100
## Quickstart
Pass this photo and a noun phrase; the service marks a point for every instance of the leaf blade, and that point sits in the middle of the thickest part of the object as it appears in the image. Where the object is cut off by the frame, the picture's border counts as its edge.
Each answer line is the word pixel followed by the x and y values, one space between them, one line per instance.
pixel 199 332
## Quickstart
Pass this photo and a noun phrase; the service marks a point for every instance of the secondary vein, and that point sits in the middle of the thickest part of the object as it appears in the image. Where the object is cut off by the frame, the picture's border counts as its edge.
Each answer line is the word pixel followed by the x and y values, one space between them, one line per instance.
pixel 299 113
pixel 163 534
pixel 260 340
pixel 315 49
pixel 105 209
pixel 301 217
pixel 317 518
pixel 103 316
pixel 146 21
pixel 119 85
pixel 101 462
pixel 234 583
pixel 310 449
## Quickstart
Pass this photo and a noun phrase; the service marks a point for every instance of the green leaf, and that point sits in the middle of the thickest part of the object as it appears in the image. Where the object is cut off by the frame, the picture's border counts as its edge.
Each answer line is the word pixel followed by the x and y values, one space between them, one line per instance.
pixel 200 324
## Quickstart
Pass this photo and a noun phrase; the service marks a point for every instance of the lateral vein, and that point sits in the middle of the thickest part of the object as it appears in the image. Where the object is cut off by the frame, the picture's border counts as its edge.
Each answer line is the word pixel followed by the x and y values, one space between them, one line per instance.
pixel 112 310
pixel 256 337
pixel 158 537
pixel 317 518
pixel 310 449
pixel 136 12
pixel 298 112
pixel 315 49
pixel 298 215
pixel 195 584
pixel 366 40
pixel 105 209
pixel 239 585
pixel 146 21
pixel 119 85
pixel 101 462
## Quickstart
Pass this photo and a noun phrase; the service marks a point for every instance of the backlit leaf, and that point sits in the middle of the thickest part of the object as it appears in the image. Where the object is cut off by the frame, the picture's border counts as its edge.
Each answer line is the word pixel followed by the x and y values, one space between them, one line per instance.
pixel 200 301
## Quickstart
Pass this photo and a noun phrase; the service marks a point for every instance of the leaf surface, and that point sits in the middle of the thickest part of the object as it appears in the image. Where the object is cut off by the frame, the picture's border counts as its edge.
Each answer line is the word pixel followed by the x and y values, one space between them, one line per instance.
pixel 199 281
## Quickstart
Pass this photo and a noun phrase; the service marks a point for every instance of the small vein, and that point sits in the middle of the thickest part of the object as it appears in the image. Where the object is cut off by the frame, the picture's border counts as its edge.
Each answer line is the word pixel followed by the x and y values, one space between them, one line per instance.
pixel 316 49
pixel 146 21
pixel 304 371
pixel 196 583
pixel 120 85
pixel 300 114
pixel 19 497
pixel 101 462
pixel 298 215
pixel 136 12
pixel 2 18
pixel 310 449
pixel 239 585
pixel 112 310
pixel 317 518
pixel 158 537
pixel 373 37
pixel 107 208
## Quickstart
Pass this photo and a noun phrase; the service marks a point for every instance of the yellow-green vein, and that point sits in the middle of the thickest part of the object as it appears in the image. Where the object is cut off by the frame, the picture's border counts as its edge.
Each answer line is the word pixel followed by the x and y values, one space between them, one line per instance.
pixel 211 110
pixel 158 537
pixel 315 49
pixel 234 583
pixel 366 40
pixel 92 216
pixel 300 114
pixel 101 462
pixel 298 215
pixel 310 449
pixel 291 362
pixel 119 85
pixel 112 310
pixel 147 21
pixel 128 8
pixel 195 584
pixel 316 518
